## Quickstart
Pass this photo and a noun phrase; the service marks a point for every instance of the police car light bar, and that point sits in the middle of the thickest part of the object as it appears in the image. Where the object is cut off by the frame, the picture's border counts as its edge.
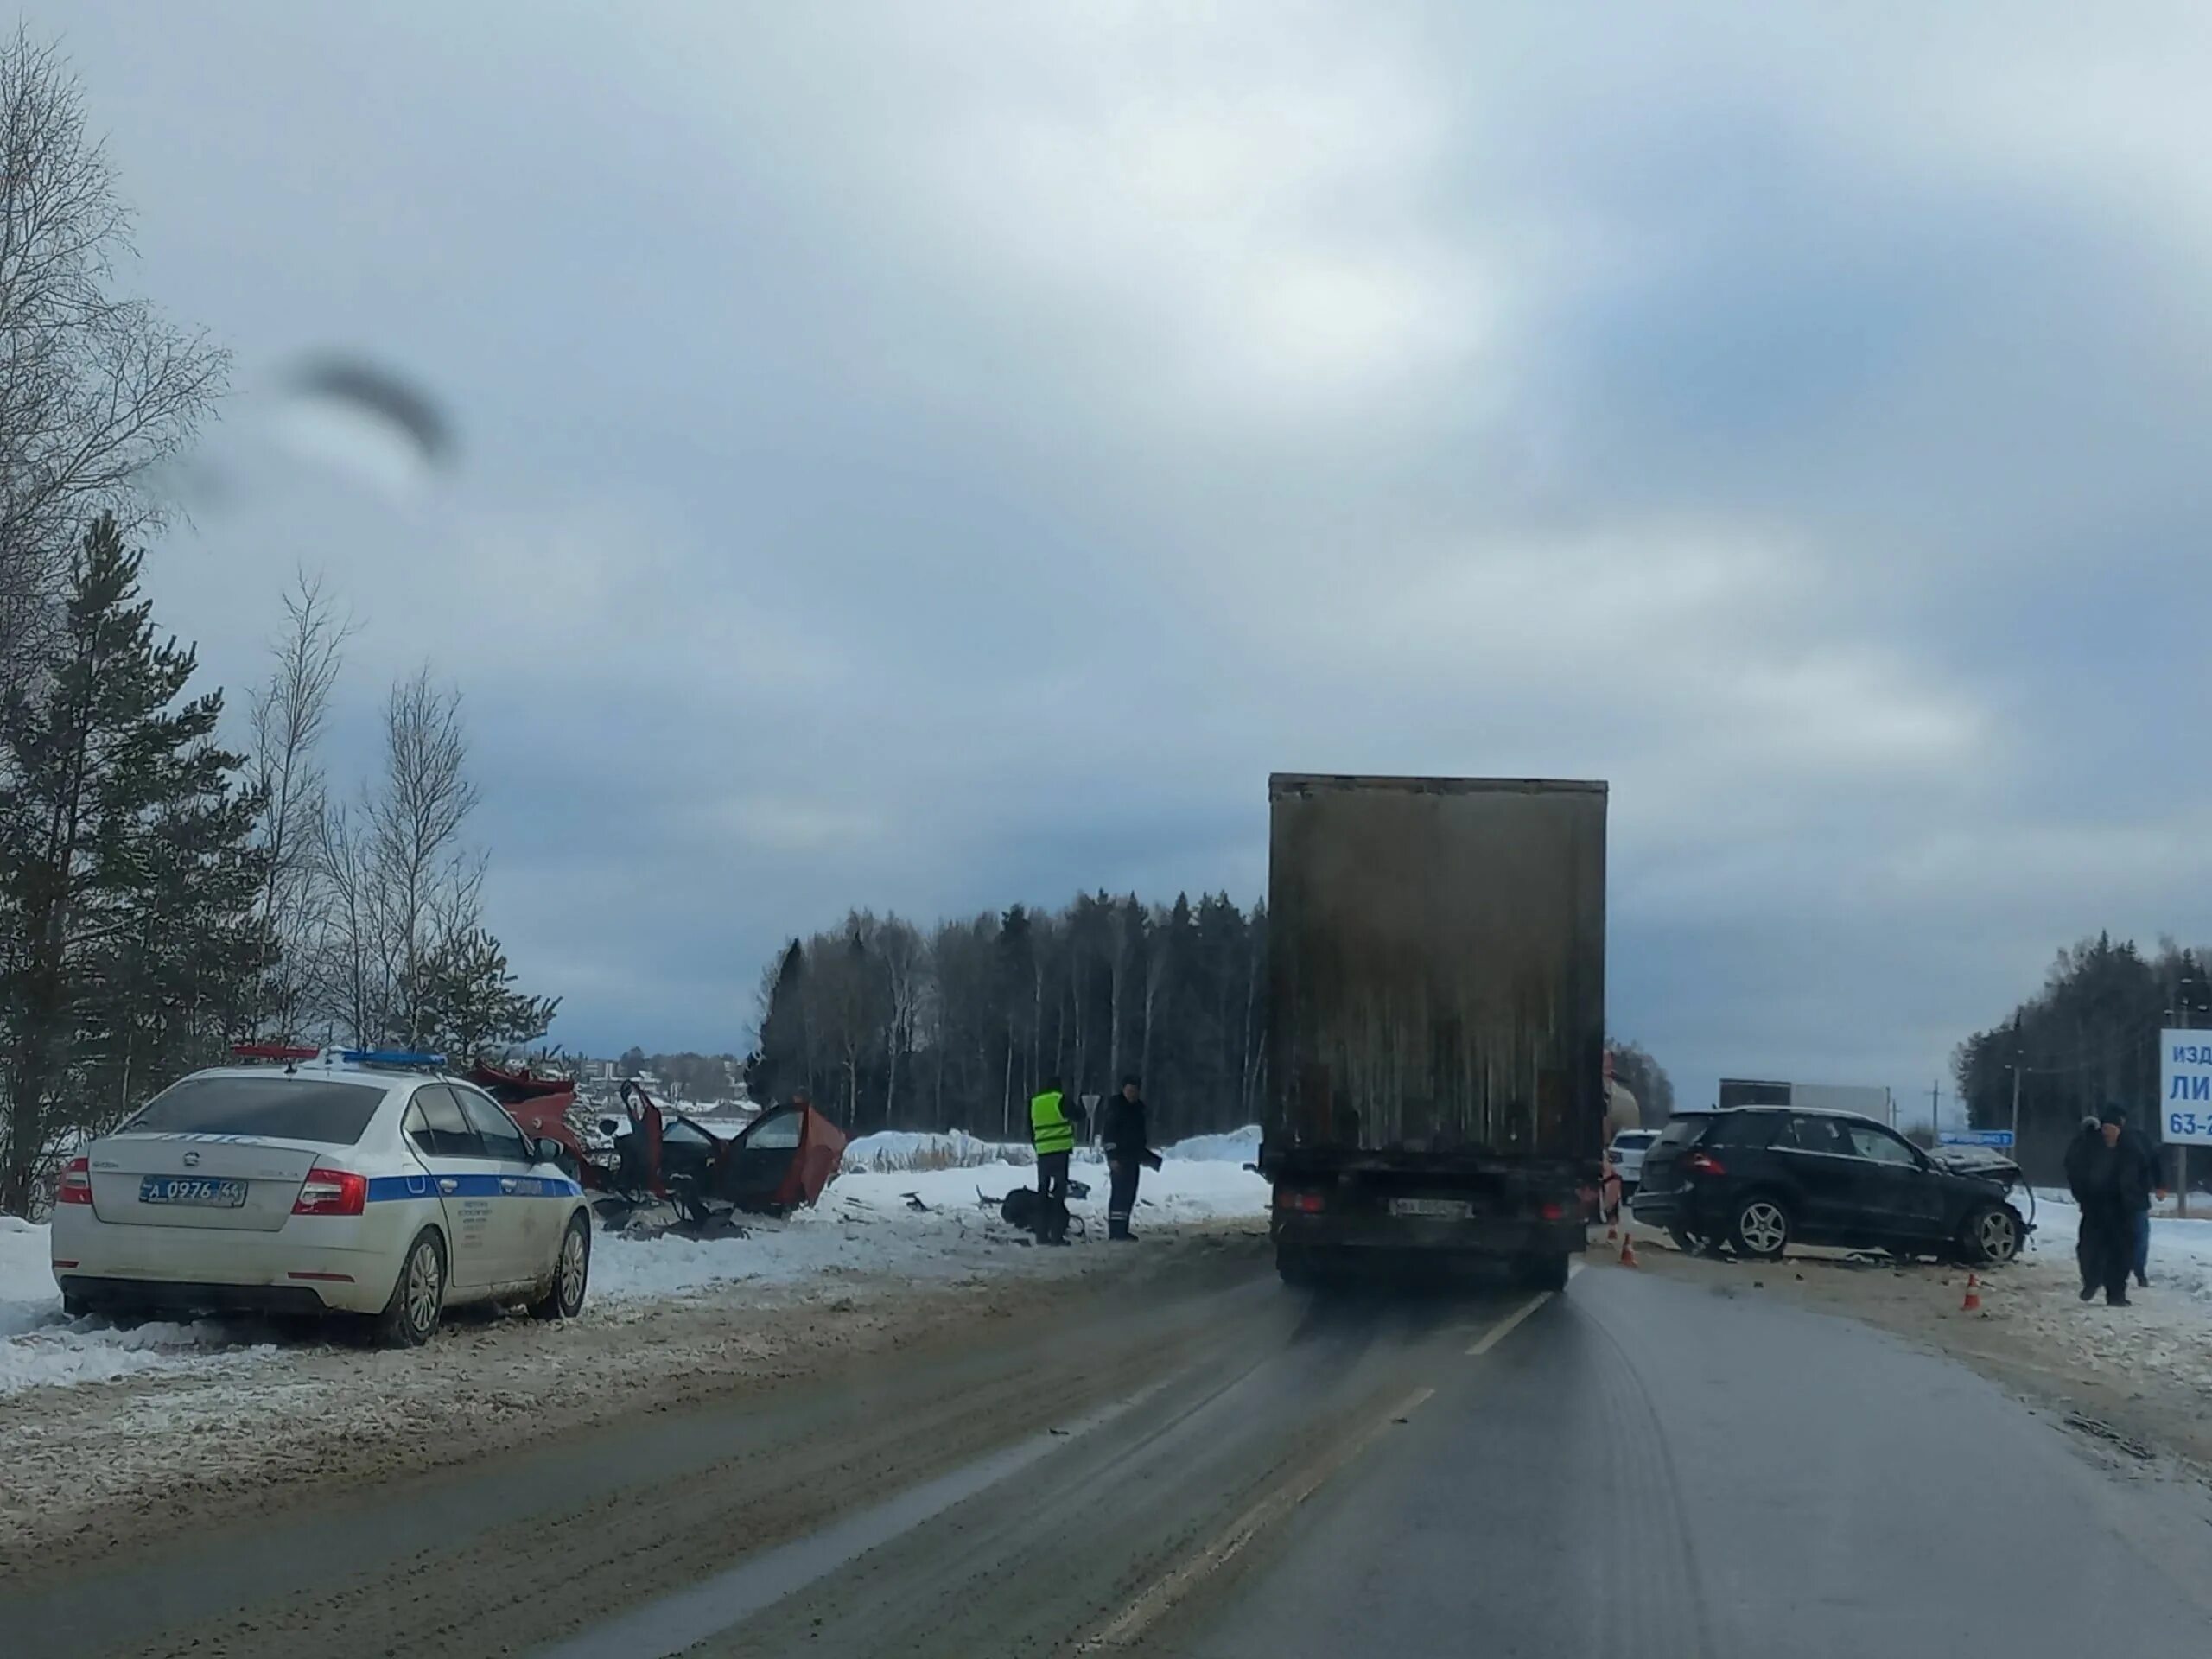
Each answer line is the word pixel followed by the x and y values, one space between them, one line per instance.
pixel 271 1052
pixel 389 1057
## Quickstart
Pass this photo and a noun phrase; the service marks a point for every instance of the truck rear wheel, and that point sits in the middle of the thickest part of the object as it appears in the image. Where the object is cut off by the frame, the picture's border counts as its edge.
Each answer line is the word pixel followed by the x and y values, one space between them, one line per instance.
pixel 1295 1267
pixel 1544 1272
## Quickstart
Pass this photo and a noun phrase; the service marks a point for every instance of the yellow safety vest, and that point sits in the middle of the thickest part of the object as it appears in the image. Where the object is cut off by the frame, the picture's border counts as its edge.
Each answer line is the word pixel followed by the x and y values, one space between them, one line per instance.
pixel 1049 1128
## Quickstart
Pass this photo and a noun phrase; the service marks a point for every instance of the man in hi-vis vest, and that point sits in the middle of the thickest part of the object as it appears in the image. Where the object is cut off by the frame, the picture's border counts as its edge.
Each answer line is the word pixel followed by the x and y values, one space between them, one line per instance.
pixel 1051 1131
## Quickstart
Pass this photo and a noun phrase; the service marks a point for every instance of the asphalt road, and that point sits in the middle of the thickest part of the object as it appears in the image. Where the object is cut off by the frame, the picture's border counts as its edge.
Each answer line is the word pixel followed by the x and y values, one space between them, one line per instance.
pixel 1218 1466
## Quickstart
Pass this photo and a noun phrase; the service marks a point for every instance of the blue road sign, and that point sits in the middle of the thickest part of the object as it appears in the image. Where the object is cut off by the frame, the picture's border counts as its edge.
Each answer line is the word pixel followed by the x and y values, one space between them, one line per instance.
pixel 1975 1138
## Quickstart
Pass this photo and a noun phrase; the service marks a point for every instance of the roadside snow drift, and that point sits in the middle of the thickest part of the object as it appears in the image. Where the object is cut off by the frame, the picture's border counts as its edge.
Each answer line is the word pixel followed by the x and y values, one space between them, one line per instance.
pixel 870 1223
pixel 924 1224
pixel 38 1345
pixel 2163 1340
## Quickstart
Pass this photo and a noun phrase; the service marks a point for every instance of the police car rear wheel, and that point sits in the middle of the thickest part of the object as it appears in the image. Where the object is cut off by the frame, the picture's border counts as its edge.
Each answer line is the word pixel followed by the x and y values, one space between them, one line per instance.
pixel 571 1272
pixel 418 1296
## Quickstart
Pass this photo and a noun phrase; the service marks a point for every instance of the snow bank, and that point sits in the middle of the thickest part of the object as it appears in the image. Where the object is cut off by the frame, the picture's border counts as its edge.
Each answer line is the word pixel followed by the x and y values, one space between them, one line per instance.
pixel 2162 1340
pixel 2164 1204
pixel 908 1149
pixel 2181 1251
pixel 40 1346
pixel 866 1223
pixel 1237 1146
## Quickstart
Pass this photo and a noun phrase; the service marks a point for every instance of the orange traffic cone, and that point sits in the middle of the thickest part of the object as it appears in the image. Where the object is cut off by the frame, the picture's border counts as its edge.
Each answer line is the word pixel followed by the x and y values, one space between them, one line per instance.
pixel 1628 1251
pixel 1973 1303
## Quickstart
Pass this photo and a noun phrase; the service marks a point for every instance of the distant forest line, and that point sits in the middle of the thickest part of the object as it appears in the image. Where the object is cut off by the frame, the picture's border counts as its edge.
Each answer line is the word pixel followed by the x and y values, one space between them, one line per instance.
pixel 889 1026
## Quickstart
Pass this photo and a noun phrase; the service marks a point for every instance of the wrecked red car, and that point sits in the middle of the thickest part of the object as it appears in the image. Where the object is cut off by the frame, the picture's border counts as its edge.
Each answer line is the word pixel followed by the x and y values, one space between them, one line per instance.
pixel 782 1159
pixel 540 1105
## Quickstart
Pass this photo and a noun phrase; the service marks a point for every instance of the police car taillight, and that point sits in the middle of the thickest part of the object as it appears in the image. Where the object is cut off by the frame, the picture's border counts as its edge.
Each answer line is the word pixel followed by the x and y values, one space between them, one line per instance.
pixel 332 1193
pixel 76 1183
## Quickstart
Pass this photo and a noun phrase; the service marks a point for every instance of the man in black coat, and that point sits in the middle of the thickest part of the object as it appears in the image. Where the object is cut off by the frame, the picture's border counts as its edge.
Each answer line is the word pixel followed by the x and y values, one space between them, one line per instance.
pixel 1128 1148
pixel 2079 1152
pixel 2115 1175
pixel 2142 1182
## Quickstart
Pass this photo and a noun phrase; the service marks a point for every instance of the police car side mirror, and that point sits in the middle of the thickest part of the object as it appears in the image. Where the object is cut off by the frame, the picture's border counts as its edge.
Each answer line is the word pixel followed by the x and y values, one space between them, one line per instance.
pixel 548 1151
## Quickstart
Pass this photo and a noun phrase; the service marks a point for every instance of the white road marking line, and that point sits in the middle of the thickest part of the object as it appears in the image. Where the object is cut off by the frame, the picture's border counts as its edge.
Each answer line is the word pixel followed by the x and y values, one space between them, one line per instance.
pixel 1145 1610
pixel 1504 1328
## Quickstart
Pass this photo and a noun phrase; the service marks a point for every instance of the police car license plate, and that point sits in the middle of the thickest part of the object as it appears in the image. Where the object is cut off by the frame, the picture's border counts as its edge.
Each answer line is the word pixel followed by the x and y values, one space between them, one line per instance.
pixel 1440 1209
pixel 192 1189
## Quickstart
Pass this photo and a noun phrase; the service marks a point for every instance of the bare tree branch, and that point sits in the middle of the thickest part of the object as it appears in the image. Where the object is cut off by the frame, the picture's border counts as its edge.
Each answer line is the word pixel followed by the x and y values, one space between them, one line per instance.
pixel 285 718
pixel 95 387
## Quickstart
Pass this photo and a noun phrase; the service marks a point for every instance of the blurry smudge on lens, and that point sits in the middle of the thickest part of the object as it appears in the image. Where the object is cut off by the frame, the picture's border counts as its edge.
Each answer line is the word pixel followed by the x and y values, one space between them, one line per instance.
pixel 366 420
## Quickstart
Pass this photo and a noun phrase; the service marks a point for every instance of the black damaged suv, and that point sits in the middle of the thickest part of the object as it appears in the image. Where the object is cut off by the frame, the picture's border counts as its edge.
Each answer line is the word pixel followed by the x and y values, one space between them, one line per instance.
pixel 1760 1178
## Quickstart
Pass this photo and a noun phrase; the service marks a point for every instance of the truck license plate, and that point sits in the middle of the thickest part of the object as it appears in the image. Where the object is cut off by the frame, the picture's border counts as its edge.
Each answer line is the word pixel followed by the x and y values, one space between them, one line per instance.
pixel 192 1189
pixel 1443 1209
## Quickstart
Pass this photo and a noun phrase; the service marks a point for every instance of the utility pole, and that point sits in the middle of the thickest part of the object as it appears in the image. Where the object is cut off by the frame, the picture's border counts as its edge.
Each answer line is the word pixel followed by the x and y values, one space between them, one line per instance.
pixel 1935 1111
pixel 2016 1088
pixel 2181 1152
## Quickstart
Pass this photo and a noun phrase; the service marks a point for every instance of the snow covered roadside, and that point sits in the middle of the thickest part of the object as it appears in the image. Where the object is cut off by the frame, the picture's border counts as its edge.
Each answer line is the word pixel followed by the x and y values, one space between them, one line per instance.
pixel 890 1150
pixel 40 1347
pixel 193 1436
pixel 868 1223
pixel 2163 1339
pixel 867 1226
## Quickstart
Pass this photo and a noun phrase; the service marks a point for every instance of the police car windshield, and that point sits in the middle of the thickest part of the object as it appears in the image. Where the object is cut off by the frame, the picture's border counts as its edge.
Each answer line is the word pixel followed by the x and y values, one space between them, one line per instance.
pixel 289 1109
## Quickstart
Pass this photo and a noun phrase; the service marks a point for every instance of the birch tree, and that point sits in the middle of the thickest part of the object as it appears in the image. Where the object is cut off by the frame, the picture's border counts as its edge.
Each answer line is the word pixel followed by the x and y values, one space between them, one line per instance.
pixel 285 719
pixel 96 388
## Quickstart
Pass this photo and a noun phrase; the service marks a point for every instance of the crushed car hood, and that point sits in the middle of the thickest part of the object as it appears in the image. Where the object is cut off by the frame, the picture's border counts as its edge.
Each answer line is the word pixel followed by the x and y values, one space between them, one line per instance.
pixel 1977 1163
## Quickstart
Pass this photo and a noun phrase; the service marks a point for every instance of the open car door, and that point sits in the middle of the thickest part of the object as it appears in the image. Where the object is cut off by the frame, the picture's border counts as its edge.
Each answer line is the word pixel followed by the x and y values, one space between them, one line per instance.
pixel 638 1174
pixel 783 1159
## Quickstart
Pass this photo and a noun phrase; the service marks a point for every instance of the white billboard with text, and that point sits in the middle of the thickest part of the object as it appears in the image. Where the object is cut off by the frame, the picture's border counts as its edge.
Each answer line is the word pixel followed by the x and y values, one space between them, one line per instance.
pixel 2185 1088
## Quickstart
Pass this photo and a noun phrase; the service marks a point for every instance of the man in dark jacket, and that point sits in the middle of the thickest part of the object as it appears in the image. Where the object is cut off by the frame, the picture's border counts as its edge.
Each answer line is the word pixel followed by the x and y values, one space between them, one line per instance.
pixel 2115 1177
pixel 1128 1148
pixel 2079 1152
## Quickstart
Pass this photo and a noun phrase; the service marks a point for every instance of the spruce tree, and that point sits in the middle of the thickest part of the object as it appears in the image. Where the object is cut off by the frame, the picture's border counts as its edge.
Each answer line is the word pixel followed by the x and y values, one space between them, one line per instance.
pixel 127 872
pixel 470 1006
pixel 781 1065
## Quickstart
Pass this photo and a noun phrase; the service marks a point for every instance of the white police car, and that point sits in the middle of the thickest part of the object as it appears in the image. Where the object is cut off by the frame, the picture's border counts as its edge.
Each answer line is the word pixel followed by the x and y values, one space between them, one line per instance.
pixel 352 1181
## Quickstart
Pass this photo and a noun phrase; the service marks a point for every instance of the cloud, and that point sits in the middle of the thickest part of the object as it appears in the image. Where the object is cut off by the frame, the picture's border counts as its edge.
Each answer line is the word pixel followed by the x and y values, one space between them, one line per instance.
pixel 930 458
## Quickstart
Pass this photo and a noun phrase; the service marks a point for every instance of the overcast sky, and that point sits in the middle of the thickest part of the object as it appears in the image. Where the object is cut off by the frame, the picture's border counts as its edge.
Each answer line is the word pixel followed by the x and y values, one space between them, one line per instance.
pixel 929 456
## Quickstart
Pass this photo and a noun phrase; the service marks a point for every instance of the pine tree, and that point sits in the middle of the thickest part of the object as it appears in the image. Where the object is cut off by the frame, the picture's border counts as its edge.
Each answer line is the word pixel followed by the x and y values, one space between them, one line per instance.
pixel 469 1004
pixel 781 1066
pixel 127 872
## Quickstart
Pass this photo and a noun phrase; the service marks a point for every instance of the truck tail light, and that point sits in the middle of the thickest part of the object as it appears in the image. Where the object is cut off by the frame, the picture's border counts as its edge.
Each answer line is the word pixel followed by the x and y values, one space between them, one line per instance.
pixel 332 1193
pixel 76 1183
pixel 1311 1204
pixel 1552 1210
pixel 1704 1163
